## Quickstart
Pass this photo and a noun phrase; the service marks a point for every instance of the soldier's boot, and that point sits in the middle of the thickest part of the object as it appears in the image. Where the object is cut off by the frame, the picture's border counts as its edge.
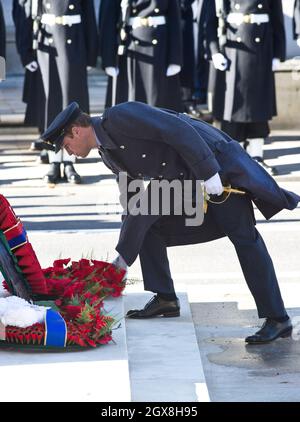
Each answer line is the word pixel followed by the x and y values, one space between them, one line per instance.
pixel 255 150
pixel 53 175
pixel 43 157
pixel 70 173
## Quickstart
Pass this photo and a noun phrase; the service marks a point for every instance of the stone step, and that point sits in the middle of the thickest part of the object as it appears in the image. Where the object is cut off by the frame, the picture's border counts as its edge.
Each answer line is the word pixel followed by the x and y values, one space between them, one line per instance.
pixel 164 359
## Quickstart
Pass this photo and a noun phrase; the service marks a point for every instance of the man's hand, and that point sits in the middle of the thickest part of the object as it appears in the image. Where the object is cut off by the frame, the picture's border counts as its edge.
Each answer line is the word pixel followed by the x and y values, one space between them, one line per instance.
pixel 173 69
pixel 121 264
pixel 32 66
pixel 213 186
pixel 298 42
pixel 219 61
pixel 112 71
pixel 275 64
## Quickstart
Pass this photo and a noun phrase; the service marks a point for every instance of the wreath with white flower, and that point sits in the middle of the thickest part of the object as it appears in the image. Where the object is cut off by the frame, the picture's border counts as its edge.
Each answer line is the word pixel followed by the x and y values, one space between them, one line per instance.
pixel 59 306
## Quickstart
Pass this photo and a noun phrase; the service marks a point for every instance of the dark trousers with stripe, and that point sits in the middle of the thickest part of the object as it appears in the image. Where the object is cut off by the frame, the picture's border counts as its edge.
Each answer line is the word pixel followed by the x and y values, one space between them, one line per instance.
pixel 235 219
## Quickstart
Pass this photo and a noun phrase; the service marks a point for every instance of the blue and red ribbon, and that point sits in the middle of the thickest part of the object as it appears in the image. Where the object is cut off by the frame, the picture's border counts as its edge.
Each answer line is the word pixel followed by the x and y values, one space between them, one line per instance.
pixel 15 236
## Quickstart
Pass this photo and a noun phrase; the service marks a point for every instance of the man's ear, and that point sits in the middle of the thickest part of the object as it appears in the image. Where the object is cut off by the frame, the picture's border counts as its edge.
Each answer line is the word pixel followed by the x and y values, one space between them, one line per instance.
pixel 75 130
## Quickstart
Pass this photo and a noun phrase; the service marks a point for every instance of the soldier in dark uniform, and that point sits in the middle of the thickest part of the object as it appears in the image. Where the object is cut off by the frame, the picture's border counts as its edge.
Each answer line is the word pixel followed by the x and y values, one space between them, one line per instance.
pixel 64 33
pixel 194 72
pixel 244 99
pixel 2 32
pixel 296 22
pixel 144 141
pixel 187 74
pixel 33 90
pixel 202 64
pixel 141 51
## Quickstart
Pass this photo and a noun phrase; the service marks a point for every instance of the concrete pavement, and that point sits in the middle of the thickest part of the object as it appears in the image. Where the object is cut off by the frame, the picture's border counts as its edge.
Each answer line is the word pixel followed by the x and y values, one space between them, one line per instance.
pixel 83 221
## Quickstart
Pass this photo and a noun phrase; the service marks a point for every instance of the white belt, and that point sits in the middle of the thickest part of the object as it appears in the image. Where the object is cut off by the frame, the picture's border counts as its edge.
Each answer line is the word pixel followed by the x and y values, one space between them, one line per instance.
pixel 137 21
pixel 239 18
pixel 51 20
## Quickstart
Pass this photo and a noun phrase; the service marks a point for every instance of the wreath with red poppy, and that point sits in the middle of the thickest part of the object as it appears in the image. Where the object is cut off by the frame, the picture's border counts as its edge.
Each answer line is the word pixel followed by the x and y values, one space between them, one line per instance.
pixel 76 290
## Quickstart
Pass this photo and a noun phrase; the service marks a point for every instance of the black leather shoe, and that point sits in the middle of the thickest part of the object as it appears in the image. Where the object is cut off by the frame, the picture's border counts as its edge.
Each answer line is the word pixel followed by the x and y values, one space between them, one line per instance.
pixel 53 174
pixel 35 146
pixel 270 331
pixel 70 173
pixel 40 145
pixel 156 307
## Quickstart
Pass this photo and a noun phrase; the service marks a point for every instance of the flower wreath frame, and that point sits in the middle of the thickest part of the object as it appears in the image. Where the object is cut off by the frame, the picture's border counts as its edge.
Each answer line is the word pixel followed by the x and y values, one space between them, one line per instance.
pixel 73 290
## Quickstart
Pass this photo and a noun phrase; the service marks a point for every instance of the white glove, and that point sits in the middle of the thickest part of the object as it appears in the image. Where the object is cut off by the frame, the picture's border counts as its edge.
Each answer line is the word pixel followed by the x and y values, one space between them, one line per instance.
pixel 213 186
pixel 32 66
pixel 275 64
pixel 219 61
pixel 112 71
pixel 173 69
pixel 298 42
pixel 119 262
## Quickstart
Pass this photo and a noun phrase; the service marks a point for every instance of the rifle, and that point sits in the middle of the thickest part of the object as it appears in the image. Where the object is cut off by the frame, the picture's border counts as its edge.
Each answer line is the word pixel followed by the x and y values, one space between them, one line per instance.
pixel 122 42
pixel 123 26
pixel 36 18
pixel 221 15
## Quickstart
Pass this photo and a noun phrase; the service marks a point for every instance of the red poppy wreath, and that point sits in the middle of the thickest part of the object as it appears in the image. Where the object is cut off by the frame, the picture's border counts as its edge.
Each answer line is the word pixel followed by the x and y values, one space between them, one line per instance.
pixel 57 307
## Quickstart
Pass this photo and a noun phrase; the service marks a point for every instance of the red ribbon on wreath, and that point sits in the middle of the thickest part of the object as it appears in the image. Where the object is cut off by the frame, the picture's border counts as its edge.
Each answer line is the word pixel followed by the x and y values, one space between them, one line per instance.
pixel 17 241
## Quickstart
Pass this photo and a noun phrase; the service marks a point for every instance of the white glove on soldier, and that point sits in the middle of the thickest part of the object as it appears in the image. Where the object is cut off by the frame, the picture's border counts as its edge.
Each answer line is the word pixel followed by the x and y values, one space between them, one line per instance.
pixel 213 186
pixel 298 42
pixel 173 69
pixel 32 66
pixel 112 71
pixel 275 64
pixel 219 61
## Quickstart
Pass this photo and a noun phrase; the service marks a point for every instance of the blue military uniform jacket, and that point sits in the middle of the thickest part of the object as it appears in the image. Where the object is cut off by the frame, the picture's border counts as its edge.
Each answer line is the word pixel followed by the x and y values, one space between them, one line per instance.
pixel 148 142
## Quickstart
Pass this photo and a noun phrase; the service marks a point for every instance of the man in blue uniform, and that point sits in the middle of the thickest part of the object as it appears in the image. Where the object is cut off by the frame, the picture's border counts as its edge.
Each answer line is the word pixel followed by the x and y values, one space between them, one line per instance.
pixel 146 142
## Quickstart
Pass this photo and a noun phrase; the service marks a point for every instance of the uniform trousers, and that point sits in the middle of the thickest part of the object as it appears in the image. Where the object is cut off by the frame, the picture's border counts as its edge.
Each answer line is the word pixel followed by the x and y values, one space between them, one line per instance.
pixel 234 218
pixel 242 131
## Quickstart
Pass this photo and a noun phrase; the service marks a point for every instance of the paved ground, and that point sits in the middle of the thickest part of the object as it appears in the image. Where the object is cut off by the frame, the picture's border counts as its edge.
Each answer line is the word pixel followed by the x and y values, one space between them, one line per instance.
pixel 82 221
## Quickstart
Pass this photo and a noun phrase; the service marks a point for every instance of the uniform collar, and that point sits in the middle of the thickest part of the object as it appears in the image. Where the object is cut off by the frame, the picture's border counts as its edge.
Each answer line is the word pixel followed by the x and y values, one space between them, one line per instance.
pixel 101 133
